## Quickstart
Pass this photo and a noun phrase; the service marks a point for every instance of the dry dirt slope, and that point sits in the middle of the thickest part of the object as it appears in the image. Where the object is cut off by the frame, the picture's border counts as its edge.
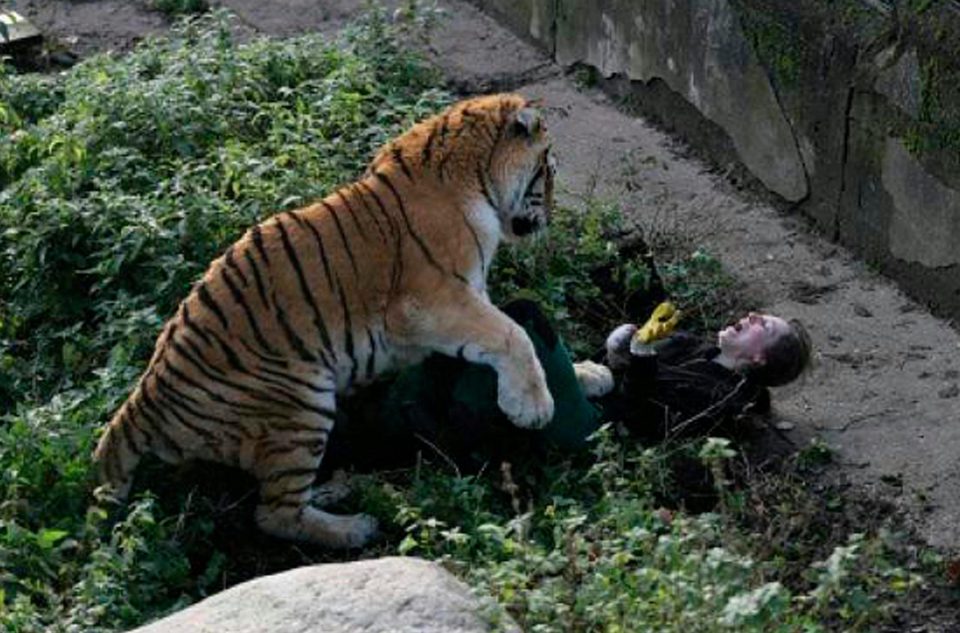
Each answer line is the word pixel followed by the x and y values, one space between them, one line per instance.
pixel 885 392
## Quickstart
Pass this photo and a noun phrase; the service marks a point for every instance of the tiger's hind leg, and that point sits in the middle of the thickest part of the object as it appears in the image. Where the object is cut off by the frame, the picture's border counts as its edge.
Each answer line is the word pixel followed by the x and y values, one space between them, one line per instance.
pixel 287 469
pixel 118 453
pixel 285 511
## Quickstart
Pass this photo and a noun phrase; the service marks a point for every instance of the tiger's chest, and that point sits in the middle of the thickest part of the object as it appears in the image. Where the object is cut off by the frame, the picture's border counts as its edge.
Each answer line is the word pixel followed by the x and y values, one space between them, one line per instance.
pixel 484 238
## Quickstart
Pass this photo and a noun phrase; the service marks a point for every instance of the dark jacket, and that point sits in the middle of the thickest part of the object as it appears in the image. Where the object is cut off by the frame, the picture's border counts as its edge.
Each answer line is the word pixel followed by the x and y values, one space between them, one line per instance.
pixel 678 391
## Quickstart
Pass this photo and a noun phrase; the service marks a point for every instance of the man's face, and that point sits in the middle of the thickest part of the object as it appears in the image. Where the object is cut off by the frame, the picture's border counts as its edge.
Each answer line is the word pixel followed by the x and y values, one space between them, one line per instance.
pixel 748 340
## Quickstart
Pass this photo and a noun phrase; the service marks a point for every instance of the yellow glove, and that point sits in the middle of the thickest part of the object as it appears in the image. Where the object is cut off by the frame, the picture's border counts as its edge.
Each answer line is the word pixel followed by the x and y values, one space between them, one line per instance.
pixel 660 324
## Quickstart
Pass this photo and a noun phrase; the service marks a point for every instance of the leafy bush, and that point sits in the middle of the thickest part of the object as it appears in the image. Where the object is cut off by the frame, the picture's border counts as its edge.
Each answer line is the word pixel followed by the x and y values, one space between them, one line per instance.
pixel 591 548
pixel 556 271
pixel 122 185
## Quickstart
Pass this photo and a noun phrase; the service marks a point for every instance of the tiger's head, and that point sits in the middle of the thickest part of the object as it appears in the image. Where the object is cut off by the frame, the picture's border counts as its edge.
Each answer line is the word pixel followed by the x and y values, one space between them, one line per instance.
pixel 518 179
pixel 494 149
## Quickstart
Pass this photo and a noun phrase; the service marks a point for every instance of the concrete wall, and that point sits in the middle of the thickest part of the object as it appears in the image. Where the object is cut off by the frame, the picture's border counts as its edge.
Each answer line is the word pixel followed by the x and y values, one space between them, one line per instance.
pixel 850 111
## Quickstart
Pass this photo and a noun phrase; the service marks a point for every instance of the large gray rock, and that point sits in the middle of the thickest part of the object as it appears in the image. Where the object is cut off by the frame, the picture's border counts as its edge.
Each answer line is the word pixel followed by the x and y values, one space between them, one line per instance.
pixel 698 48
pixel 926 213
pixel 386 594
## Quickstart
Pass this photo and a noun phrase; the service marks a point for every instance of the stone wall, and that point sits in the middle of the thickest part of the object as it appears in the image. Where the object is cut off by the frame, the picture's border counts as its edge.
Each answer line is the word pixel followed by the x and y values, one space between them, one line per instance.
pixel 849 110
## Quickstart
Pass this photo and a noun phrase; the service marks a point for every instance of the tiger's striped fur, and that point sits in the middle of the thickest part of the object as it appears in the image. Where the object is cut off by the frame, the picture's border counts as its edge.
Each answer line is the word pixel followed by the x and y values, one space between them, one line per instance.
pixel 314 301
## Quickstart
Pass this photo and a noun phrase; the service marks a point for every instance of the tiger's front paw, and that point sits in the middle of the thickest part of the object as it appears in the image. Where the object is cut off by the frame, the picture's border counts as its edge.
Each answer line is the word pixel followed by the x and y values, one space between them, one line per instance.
pixel 359 530
pixel 527 408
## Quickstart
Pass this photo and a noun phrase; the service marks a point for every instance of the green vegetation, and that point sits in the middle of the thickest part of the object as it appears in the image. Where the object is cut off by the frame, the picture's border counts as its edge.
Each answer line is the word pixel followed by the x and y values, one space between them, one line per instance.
pixel 933 136
pixel 921 6
pixel 180 7
pixel 777 43
pixel 789 38
pixel 121 179
pixel 588 547
pixel 937 128
pixel 560 272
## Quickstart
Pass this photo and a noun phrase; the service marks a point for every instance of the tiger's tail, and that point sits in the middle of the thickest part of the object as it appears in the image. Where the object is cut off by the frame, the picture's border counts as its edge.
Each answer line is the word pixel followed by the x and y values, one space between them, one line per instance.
pixel 117 455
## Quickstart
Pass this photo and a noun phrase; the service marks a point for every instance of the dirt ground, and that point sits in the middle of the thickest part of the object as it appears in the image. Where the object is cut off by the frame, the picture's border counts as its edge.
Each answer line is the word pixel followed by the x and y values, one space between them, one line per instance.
pixel 884 392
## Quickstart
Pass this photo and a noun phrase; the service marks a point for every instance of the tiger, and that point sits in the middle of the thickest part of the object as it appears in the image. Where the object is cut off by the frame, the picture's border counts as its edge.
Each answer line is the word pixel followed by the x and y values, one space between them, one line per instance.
pixel 313 302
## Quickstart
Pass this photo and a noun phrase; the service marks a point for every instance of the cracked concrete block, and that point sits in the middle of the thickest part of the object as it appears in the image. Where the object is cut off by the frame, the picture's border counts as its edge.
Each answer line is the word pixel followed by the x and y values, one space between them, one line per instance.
pixel 698 48
pixel 900 82
pixel 809 154
pixel 925 225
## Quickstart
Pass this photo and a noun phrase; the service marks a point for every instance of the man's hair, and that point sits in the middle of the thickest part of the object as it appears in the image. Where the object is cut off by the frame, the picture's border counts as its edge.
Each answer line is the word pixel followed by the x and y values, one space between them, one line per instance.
pixel 785 359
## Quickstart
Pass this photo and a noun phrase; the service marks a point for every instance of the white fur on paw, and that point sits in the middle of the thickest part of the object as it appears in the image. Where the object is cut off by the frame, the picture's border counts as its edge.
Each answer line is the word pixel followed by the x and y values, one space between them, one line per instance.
pixel 595 379
pixel 359 530
pixel 530 408
pixel 351 531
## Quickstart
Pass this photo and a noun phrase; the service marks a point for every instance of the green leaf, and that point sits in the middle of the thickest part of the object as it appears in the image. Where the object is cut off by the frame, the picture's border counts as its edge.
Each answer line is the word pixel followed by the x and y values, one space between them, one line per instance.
pixel 407 545
pixel 46 539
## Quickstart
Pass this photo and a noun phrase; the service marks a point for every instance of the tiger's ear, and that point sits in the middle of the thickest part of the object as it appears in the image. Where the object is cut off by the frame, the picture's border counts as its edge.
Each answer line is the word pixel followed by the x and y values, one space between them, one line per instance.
pixel 528 122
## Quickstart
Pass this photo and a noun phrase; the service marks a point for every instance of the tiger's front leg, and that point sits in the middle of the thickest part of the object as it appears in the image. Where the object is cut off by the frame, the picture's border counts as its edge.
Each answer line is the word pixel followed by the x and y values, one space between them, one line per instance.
pixel 460 322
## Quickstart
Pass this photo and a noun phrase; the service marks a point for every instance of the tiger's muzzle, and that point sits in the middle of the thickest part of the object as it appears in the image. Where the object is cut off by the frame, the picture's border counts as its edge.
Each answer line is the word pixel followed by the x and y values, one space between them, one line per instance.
pixel 537 201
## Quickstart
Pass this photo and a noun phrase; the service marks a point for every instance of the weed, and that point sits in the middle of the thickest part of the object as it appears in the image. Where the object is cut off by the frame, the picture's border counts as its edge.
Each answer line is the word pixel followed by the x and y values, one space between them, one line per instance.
pixel 585 77
pixel 937 127
pixel 815 455
pixel 776 42
pixel 590 548
pixel 556 272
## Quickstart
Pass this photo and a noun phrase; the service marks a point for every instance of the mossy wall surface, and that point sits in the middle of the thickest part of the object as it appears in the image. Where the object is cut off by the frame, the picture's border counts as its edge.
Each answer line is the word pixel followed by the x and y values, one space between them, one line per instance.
pixel 870 90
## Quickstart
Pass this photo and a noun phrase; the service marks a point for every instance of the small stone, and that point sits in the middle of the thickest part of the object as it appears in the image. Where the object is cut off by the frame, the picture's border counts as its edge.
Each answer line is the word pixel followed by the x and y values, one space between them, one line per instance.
pixel 66 59
pixel 785 426
pixel 893 480
pixel 951 391
pixel 861 310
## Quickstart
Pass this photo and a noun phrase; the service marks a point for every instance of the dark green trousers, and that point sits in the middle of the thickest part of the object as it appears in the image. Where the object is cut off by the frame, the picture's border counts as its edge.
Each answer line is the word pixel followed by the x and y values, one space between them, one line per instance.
pixel 466 393
pixel 446 409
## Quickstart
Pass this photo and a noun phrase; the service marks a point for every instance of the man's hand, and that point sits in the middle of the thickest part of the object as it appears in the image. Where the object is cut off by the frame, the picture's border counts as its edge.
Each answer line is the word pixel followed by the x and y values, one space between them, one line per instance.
pixel 660 324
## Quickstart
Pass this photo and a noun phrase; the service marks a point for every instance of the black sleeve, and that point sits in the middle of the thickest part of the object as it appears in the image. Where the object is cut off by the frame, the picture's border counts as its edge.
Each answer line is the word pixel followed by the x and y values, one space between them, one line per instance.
pixel 679 348
pixel 632 396
pixel 690 396
pixel 638 383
